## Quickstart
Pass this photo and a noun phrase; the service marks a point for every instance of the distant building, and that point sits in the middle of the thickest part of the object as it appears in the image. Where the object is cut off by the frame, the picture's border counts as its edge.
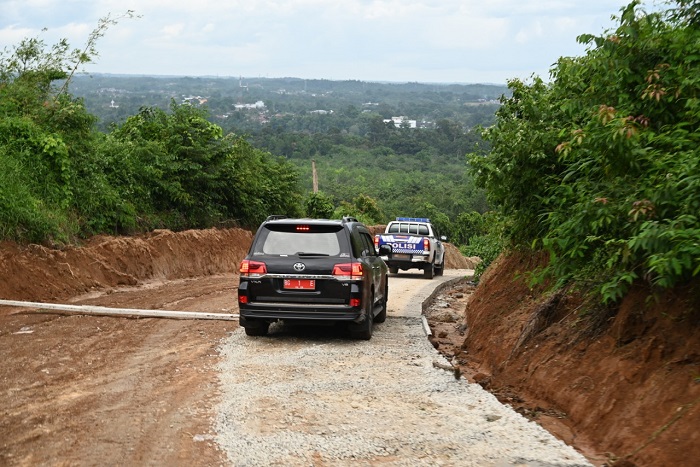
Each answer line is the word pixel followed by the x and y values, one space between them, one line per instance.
pixel 195 100
pixel 321 112
pixel 401 121
pixel 257 105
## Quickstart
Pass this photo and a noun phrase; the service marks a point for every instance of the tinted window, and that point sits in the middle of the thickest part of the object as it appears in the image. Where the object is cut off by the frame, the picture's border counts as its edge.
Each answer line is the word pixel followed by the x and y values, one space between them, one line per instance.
pixel 368 244
pixel 285 242
pixel 356 246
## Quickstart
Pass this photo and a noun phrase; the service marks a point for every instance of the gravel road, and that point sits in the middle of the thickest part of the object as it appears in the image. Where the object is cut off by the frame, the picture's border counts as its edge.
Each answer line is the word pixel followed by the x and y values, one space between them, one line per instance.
pixel 313 397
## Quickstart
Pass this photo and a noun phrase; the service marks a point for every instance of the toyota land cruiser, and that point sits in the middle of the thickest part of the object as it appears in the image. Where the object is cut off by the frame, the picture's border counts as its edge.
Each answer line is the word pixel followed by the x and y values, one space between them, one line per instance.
pixel 313 270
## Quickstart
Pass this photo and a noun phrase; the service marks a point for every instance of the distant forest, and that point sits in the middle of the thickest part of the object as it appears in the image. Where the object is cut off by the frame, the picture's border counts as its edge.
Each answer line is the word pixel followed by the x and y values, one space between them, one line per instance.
pixel 415 165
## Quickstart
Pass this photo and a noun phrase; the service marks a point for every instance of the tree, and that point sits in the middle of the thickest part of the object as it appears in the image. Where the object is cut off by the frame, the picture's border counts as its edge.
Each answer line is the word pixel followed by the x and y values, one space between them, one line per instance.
pixel 363 207
pixel 468 225
pixel 601 167
pixel 319 206
pixel 196 177
pixel 47 140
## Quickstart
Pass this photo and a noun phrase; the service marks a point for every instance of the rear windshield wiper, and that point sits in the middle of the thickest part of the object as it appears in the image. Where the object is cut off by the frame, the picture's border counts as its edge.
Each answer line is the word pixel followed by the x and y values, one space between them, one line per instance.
pixel 305 253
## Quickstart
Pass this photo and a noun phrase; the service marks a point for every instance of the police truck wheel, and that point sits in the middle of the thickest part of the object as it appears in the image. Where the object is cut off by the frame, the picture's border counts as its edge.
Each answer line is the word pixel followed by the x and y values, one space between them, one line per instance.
pixel 439 271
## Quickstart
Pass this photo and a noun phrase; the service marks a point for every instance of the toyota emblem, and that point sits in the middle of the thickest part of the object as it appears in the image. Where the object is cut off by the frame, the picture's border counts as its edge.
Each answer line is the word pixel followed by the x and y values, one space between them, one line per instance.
pixel 299 267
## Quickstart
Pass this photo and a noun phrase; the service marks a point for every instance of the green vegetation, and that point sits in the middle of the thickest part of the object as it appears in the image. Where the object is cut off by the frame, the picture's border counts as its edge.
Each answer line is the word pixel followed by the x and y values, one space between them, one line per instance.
pixel 601 167
pixel 339 124
pixel 480 235
pixel 112 154
pixel 60 178
pixel 405 170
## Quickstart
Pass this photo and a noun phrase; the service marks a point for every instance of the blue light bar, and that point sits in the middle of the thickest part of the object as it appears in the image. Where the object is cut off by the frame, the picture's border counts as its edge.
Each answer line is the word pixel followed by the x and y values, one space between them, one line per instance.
pixel 413 219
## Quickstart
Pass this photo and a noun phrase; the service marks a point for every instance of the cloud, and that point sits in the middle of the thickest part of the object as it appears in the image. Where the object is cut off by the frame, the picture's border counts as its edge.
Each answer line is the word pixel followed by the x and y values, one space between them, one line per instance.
pixel 533 31
pixel 171 31
pixel 449 40
pixel 12 35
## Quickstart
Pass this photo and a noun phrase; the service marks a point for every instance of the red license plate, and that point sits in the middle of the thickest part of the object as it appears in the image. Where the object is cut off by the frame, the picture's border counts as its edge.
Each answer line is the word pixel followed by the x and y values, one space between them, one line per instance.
pixel 300 284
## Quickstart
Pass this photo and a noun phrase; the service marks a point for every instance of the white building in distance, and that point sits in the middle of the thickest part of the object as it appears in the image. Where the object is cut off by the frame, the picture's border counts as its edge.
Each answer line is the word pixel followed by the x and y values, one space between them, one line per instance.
pixel 398 121
pixel 257 105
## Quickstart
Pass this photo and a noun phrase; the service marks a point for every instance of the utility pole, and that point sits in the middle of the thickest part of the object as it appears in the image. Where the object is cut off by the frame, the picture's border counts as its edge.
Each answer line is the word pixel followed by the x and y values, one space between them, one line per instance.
pixel 315 175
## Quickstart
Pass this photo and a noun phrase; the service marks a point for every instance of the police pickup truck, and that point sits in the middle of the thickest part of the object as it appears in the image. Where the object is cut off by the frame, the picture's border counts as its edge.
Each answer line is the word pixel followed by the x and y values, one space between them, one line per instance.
pixel 415 244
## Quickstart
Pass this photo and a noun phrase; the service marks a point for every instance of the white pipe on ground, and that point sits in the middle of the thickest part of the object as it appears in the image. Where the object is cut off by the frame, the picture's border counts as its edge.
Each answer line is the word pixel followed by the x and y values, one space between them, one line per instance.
pixel 104 311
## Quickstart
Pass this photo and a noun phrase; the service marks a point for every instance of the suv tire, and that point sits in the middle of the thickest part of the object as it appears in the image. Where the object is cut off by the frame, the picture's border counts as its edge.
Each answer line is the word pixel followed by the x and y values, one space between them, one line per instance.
pixel 381 316
pixel 363 330
pixel 256 328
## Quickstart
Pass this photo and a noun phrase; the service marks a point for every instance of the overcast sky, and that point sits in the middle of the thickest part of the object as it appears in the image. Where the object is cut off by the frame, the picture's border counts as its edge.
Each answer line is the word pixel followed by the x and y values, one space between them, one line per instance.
pixel 465 41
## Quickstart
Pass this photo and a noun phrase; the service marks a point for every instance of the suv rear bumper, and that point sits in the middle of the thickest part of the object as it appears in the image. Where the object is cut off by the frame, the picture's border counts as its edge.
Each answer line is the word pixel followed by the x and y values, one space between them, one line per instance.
pixel 311 312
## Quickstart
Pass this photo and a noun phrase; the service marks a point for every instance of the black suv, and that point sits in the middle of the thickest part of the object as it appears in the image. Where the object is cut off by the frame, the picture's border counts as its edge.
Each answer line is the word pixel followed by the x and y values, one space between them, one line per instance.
pixel 313 270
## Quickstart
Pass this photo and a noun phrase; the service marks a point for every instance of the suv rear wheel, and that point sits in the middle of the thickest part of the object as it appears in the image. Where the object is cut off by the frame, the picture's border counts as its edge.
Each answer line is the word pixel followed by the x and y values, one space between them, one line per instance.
pixel 363 330
pixel 255 327
pixel 381 316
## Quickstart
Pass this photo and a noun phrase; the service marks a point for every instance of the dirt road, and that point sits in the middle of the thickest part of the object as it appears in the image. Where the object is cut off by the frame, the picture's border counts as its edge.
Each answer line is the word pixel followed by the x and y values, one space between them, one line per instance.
pixel 82 390
pixel 86 390
pixel 301 397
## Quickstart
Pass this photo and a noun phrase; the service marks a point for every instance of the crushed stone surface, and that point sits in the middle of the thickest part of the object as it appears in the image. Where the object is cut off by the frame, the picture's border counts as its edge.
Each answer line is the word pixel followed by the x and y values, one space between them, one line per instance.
pixel 299 398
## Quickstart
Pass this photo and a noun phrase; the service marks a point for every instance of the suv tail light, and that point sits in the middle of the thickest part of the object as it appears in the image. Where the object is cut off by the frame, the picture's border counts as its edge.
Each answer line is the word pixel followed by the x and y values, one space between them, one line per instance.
pixel 376 242
pixel 250 268
pixel 348 270
pixel 426 244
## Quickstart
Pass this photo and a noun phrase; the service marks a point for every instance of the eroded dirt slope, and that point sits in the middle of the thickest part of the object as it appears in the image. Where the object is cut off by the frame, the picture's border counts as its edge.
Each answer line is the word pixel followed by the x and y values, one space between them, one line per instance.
pixel 626 383
pixel 37 273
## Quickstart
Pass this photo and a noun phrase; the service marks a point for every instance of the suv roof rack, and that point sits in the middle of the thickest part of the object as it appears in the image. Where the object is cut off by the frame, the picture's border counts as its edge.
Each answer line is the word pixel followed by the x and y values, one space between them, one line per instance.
pixel 275 217
pixel 349 219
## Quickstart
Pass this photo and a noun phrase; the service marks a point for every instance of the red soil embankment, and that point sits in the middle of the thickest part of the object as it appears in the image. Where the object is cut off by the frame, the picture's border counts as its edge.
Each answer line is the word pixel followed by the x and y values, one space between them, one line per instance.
pixel 629 383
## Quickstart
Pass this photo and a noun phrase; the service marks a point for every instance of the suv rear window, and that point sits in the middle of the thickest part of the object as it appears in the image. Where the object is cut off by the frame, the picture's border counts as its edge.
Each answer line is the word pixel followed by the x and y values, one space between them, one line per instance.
pixel 295 240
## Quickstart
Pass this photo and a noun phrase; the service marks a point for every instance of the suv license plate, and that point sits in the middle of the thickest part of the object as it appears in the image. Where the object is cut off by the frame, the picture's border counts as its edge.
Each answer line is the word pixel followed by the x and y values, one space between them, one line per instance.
pixel 300 284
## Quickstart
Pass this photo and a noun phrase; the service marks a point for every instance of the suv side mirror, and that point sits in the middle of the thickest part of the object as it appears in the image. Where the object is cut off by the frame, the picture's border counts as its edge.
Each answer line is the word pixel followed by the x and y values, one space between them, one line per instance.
pixel 443 238
pixel 385 250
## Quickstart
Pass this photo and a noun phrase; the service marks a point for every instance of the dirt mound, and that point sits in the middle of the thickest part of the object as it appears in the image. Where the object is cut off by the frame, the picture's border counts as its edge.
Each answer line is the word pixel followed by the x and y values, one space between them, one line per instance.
pixel 454 259
pixel 628 381
pixel 37 273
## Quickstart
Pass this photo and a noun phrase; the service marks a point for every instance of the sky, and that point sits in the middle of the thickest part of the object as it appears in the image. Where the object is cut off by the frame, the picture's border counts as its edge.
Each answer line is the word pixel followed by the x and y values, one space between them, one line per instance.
pixel 436 41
